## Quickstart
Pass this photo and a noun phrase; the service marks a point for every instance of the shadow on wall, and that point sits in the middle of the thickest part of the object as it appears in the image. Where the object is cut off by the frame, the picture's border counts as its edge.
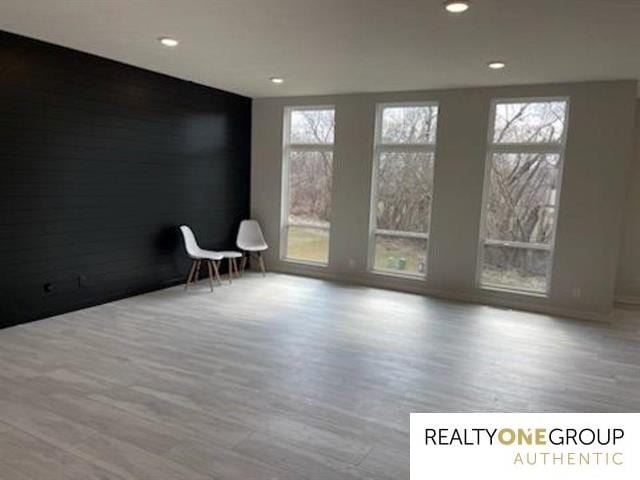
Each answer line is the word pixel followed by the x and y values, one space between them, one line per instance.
pixel 167 240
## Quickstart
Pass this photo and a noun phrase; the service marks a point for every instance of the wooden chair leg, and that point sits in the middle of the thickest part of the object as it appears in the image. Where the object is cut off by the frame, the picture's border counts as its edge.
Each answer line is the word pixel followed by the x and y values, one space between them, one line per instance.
pixel 210 275
pixel 215 269
pixel 243 264
pixel 235 267
pixel 262 267
pixel 191 270
pixel 230 270
pixel 196 274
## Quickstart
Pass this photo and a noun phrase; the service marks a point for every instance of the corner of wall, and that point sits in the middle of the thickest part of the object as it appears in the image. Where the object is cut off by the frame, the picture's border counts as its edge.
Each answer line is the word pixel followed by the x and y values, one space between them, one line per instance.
pixel 627 289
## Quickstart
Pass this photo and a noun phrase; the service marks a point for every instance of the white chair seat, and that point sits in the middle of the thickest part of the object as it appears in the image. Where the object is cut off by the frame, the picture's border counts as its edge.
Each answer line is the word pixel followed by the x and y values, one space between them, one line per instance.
pixel 256 248
pixel 229 254
pixel 209 255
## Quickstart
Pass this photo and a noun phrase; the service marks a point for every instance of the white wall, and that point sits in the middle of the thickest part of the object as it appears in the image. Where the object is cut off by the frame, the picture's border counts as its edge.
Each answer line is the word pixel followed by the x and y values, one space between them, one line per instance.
pixel 628 284
pixel 599 146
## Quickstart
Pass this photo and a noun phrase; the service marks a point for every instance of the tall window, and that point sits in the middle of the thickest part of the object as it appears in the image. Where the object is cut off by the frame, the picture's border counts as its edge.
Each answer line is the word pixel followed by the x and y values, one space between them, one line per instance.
pixel 307 179
pixel 402 188
pixel 521 194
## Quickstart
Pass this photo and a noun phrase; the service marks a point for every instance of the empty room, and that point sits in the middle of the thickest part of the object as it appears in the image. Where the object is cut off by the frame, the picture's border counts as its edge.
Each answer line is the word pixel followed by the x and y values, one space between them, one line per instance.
pixel 319 239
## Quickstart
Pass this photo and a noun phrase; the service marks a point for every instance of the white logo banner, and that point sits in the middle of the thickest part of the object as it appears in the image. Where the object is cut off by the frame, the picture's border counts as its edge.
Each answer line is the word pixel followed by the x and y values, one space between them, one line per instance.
pixel 525 446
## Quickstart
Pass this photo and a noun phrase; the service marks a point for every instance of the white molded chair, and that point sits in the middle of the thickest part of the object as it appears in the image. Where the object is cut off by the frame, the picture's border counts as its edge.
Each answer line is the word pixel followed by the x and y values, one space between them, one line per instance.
pixel 198 255
pixel 251 241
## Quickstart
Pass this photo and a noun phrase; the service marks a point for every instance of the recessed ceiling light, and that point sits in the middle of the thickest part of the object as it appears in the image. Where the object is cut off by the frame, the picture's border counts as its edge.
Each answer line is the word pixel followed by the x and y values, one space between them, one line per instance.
pixel 497 65
pixel 277 80
pixel 168 41
pixel 458 6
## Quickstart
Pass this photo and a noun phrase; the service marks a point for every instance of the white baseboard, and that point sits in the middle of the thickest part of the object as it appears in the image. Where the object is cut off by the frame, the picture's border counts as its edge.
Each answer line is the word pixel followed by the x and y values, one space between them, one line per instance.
pixel 490 298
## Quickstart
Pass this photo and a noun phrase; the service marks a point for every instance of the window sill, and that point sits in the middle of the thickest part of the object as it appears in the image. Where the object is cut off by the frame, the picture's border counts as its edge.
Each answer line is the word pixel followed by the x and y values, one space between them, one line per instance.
pixel 308 263
pixel 405 276
pixel 514 291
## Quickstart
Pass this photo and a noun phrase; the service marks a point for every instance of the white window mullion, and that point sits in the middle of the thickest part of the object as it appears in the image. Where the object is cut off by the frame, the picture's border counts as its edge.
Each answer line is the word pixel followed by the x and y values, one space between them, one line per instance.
pixel 502 243
pixel 401 234
pixel 405 148
pixel 525 148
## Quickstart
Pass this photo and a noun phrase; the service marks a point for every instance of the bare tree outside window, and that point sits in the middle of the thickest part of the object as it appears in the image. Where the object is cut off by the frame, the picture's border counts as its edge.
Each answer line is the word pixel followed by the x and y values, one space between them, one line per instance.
pixel 402 191
pixel 409 125
pixel 312 127
pixel 521 196
pixel 308 150
pixel 538 122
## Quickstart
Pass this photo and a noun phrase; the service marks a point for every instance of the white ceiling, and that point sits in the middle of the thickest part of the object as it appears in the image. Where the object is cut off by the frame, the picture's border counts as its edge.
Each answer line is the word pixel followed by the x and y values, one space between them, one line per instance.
pixel 339 46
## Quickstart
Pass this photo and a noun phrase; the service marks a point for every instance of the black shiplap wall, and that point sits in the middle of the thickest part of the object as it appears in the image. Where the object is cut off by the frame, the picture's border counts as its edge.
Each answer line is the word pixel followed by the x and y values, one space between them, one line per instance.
pixel 99 163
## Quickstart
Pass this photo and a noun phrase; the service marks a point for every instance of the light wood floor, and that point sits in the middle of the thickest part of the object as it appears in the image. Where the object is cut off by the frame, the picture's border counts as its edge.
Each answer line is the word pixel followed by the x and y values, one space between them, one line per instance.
pixel 284 378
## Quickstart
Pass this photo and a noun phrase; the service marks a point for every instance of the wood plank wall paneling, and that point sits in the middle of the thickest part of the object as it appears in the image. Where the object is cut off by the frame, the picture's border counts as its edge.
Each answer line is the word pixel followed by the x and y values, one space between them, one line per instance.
pixel 99 164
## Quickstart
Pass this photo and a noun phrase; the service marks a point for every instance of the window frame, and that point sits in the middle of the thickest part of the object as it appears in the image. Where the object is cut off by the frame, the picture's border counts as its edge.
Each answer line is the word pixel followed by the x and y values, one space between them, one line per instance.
pixel 287 149
pixel 378 149
pixel 493 148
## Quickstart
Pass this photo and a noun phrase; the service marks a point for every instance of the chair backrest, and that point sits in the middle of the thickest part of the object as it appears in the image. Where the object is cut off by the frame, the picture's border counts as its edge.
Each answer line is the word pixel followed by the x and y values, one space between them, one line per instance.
pixel 250 235
pixel 190 243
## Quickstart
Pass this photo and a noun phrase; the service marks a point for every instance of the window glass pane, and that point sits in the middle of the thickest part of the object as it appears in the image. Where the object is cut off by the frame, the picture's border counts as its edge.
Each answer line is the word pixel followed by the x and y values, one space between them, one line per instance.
pixel 516 268
pixel 535 122
pixel 401 255
pixel 409 124
pixel 403 188
pixel 311 244
pixel 404 183
pixel 310 175
pixel 522 197
pixel 312 126
pixel 309 183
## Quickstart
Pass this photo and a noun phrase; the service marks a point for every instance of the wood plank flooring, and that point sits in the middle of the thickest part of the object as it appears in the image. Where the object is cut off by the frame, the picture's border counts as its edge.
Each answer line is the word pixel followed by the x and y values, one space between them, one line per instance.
pixel 284 378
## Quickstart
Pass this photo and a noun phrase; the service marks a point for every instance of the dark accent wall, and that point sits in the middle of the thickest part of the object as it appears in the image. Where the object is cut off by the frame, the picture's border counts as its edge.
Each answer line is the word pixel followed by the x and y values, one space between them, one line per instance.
pixel 99 164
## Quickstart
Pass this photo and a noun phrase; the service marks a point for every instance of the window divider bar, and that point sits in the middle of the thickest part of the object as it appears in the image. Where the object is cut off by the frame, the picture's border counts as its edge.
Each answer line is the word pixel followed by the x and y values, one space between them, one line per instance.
pixel 511 244
pixel 305 225
pixel 309 147
pixel 526 148
pixel 400 233
pixel 405 148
